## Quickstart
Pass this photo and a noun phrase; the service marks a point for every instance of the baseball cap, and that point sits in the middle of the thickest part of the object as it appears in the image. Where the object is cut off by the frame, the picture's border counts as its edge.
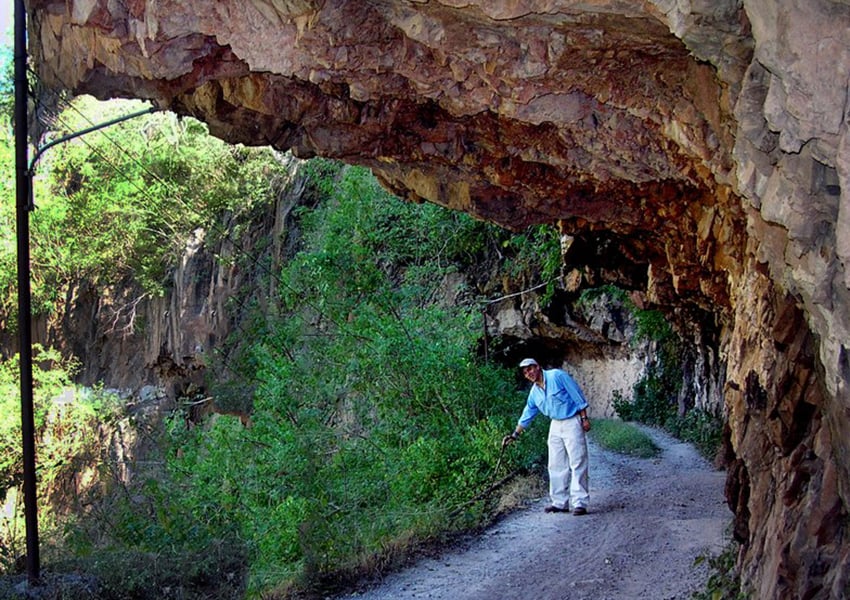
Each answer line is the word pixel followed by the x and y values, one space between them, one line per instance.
pixel 527 362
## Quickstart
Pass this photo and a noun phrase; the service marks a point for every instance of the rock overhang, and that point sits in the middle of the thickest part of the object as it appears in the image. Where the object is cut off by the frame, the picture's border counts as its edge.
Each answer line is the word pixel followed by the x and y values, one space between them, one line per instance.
pixel 515 112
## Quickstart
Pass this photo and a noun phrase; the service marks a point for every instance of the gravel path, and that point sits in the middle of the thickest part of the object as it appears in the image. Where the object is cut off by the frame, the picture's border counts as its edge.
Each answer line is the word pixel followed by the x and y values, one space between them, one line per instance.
pixel 649 520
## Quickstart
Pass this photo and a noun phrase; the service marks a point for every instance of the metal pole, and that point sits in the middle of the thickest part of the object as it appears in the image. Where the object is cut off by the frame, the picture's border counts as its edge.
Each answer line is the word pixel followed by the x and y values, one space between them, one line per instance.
pixel 486 335
pixel 22 187
pixel 24 204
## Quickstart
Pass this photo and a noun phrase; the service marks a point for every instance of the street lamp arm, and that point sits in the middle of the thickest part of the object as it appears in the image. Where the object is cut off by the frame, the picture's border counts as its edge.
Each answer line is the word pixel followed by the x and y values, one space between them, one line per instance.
pixel 75 134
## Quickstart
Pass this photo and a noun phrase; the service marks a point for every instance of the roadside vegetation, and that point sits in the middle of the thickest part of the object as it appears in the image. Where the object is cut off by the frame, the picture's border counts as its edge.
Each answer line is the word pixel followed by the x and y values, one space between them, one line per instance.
pixel 653 402
pixel 624 438
pixel 375 426
pixel 724 582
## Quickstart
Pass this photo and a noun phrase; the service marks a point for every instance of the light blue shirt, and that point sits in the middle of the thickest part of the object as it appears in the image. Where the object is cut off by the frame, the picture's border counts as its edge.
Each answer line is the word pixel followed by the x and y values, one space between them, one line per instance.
pixel 561 399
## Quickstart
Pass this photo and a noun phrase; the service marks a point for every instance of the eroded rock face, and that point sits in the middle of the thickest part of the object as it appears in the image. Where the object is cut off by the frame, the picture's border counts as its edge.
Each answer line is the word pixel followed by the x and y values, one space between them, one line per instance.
pixel 698 152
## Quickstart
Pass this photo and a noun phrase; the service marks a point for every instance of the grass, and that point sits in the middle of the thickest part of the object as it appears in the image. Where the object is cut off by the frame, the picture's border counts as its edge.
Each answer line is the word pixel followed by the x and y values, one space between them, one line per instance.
pixel 624 438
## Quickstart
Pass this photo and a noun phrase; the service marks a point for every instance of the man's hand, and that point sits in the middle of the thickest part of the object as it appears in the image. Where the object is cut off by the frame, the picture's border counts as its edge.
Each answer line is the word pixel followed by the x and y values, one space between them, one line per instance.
pixel 511 437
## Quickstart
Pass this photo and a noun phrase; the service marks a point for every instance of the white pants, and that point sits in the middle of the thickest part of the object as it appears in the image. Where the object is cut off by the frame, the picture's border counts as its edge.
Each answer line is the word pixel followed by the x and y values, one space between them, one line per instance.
pixel 568 461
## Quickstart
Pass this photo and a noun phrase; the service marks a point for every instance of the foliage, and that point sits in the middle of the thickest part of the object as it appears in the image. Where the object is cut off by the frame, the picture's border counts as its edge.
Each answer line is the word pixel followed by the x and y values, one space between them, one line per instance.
pixel 653 400
pixel 653 403
pixel 537 250
pixel 654 397
pixel 412 244
pixel 373 414
pixel 130 195
pixel 701 428
pixel 66 424
pixel 7 92
pixel 50 376
pixel 121 202
pixel 624 438
pixel 650 325
pixel 373 423
pixel 116 573
pixel 614 293
pixel 8 227
pixel 723 581
pixel 153 540
pixel 161 549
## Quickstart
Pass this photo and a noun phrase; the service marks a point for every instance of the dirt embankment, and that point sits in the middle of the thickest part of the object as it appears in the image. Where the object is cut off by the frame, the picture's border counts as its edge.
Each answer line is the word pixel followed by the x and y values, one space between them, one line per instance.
pixel 649 520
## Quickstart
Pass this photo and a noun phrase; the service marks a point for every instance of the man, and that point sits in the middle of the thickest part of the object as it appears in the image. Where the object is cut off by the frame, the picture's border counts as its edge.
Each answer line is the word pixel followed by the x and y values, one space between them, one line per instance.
pixel 555 394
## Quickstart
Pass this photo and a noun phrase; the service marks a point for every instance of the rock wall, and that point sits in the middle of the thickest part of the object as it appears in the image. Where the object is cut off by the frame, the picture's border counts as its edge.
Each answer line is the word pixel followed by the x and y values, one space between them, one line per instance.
pixel 130 340
pixel 594 349
pixel 696 152
pixel 787 388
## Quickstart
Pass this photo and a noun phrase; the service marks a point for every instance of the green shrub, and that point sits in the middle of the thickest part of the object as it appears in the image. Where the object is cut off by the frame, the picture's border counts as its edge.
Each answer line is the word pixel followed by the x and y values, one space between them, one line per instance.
pixel 652 401
pixel 51 376
pixel 701 428
pixel 589 295
pixel 650 325
pixel 118 573
pixel 624 438
pixel 653 404
pixel 536 252
pixel 68 424
pixel 723 581
pixel 374 425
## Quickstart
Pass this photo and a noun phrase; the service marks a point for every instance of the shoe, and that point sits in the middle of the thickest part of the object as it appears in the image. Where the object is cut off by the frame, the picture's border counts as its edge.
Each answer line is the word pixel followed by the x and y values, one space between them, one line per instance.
pixel 556 509
pixel 579 511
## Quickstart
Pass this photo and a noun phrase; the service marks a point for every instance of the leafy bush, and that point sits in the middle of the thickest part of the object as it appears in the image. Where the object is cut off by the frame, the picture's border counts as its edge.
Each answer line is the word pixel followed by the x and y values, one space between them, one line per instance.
pixel 653 400
pixel 51 375
pixel 391 421
pixel 536 251
pixel 650 325
pixel 619 295
pixel 653 403
pixel 624 438
pixel 67 423
pixel 149 538
pixel 723 581
pixel 374 425
pixel 8 229
pixel 701 428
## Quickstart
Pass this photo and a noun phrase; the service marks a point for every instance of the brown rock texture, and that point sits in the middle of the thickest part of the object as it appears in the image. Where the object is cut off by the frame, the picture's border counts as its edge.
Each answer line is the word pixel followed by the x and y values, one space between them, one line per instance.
pixel 703 144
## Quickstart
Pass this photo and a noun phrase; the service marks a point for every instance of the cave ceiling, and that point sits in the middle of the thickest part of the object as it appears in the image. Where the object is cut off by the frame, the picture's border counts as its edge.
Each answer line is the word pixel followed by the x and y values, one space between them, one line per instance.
pixel 593 115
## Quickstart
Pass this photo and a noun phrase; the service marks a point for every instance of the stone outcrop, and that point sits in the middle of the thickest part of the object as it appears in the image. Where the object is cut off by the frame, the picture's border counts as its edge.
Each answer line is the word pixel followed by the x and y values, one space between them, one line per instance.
pixel 696 152
pixel 131 340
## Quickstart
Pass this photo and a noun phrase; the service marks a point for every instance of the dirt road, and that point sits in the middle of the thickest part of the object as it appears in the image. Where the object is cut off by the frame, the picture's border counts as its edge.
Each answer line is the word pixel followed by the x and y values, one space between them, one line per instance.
pixel 649 519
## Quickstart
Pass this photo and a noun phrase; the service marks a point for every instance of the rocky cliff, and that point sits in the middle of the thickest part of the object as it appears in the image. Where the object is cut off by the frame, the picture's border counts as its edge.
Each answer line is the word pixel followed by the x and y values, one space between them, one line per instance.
pixel 695 152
